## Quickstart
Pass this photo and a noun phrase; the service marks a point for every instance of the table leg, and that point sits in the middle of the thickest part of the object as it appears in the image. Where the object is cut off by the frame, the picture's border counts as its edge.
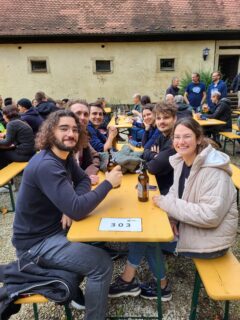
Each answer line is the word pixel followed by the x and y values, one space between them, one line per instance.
pixel 159 301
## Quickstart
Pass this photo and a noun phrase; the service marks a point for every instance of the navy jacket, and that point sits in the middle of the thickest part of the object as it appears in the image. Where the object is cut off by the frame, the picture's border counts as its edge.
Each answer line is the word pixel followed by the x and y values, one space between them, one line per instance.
pixel 33 118
pixel 52 185
pixel 97 139
pixel 44 108
pixel 222 112
pixel 159 165
pixel 149 137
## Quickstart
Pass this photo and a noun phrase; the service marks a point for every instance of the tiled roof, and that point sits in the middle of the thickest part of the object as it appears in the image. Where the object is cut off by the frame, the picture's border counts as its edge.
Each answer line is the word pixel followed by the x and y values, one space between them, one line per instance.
pixel 110 17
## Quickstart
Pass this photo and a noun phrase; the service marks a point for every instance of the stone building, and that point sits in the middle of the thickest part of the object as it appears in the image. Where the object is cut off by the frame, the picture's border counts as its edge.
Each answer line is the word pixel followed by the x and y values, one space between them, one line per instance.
pixel 113 48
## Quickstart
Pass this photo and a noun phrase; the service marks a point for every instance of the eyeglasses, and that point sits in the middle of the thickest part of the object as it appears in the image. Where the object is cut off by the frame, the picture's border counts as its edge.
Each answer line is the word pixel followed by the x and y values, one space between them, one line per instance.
pixel 184 138
pixel 66 129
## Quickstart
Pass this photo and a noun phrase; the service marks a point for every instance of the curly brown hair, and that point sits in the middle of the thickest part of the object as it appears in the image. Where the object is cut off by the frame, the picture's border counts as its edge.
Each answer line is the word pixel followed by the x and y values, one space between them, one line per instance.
pixel 45 137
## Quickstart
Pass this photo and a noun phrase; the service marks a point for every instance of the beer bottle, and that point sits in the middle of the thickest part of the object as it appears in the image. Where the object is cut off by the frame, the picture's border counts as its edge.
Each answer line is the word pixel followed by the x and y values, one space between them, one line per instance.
pixel 111 162
pixel 143 182
pixel 116 119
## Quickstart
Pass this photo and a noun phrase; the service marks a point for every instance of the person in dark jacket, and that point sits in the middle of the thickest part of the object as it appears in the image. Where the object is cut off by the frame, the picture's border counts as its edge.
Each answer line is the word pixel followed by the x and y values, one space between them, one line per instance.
pixel 99 141
pixel 216 85
pixel 151 132
pixel 158 164
pixel 54 184
pixel 44 107
pixel 235 87
pixel 183 110
pixel 29 114
pixel 18 142
pixel 87 157
pixel 173 89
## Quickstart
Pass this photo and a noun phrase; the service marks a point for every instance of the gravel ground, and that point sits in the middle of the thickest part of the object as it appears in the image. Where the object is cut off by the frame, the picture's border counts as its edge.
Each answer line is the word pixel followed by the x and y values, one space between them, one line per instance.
pixel 180 270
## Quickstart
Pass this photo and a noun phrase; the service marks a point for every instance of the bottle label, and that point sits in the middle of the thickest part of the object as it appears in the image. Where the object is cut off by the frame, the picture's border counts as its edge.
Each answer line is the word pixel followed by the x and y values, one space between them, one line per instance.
pixel 142 191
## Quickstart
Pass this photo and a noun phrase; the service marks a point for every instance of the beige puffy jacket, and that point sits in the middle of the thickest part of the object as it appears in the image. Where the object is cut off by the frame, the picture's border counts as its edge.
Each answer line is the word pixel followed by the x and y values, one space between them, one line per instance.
pixel 207 212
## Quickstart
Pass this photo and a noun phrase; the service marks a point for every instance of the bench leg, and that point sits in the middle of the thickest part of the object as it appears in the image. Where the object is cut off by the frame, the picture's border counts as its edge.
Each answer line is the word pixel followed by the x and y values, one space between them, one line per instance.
pixel 224 146
pixel 68 312
pixel 159 301
pixel 35 311
pixel 234 146
pixel 197 285
pixel 11 196
pixel 226 312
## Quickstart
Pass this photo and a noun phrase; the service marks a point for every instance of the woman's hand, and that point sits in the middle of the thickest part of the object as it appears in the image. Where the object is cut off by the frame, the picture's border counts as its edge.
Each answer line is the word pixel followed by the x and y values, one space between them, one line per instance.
pixel 66 222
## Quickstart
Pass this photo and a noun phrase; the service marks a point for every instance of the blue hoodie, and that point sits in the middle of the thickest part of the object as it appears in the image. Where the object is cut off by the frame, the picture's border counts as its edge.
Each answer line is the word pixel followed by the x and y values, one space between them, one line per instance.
pixel 33 118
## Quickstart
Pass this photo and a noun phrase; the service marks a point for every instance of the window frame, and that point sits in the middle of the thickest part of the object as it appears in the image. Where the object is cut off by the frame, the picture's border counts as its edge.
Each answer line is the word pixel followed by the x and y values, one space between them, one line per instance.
pixel 160 57
pixel 36 59
pixel 94 60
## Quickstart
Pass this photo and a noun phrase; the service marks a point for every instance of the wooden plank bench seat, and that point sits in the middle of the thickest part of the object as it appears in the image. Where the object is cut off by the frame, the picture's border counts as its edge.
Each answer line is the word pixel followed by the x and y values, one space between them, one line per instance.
pixel 37 298
pixel 221 279
pixel 229 137
pixel 7 174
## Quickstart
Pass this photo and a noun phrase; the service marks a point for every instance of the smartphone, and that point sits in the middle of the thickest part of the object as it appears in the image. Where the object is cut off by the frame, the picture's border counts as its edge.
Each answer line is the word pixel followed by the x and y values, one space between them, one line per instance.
pixel 152 188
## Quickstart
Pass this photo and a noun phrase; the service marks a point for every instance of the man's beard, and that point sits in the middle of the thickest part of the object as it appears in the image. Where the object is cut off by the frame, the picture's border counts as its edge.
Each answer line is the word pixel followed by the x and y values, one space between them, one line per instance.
pixel 61 146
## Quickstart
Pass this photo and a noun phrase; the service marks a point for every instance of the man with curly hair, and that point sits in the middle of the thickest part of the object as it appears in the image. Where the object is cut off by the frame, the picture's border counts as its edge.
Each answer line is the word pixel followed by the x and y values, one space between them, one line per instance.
pixel 53 191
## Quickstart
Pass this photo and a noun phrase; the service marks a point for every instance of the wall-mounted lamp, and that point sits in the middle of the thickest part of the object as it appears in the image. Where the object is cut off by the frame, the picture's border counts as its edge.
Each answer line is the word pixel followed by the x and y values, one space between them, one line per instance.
pixel 205 53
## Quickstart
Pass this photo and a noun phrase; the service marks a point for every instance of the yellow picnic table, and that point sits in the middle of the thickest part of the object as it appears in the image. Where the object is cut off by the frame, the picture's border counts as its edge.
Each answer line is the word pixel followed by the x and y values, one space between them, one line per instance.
pixel 122 203
pixel 210 122
pixel 123 122
pixel 236 112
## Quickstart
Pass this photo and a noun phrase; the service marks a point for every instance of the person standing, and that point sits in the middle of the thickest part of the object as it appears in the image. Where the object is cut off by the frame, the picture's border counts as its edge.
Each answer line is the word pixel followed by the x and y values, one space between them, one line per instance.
pixel 195 92
pixel 44 107
pixel 235 87
pixel 174 87
pixel 54 184
pixel 216 85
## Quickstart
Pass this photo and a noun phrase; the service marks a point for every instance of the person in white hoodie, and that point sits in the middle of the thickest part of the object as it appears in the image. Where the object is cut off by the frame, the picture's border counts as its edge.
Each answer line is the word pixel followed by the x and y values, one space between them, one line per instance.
pixel 201 205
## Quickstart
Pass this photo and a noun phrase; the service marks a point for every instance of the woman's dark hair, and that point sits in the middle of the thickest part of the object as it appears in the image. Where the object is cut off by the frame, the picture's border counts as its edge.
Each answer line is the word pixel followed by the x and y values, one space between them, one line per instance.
pixel 45 137
pixel 145 100
pixel 10 111
pixel 195 127
pixel 148 106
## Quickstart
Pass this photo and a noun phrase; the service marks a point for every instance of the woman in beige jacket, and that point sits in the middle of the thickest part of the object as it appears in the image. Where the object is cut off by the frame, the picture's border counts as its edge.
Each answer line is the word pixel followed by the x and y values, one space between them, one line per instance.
pixel 201 205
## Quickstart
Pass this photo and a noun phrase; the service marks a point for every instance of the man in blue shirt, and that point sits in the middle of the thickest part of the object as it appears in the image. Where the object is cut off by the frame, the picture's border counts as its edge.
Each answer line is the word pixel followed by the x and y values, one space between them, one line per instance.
pixel 195 92
pixel 217 85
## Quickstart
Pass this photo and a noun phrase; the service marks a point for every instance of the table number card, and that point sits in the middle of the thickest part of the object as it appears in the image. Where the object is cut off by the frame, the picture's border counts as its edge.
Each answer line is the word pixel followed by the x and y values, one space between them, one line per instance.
pixel 121 224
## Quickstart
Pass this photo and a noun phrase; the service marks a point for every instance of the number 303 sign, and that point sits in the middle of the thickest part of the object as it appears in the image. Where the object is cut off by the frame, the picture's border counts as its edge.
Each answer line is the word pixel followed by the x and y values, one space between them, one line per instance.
pixel 121 224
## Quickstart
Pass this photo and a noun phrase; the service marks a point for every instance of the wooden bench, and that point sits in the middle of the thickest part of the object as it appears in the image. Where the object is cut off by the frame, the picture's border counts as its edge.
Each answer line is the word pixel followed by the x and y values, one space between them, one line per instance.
pixel 221 279
pixel 7 174
pixel 236 178
pixel 235 127
pixel 229 137
pixel 37 298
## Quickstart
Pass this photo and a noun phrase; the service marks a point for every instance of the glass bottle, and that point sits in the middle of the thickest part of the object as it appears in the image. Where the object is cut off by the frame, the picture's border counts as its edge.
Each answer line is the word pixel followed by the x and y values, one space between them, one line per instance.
pixel 143 183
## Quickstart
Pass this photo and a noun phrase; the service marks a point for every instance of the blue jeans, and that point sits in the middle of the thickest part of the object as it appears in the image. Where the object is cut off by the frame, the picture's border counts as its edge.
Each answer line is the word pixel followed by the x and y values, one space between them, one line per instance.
pixel 139 250
pixel 84 260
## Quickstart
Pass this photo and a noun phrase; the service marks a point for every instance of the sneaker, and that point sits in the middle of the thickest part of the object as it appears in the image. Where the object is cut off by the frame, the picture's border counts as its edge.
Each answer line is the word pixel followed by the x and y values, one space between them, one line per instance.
pixel 78 302
pixel 149 291
pixel 121 288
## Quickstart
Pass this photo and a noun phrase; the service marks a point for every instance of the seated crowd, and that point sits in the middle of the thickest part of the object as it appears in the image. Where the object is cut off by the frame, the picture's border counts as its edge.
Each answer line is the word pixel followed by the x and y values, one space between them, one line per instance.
pixel 64 162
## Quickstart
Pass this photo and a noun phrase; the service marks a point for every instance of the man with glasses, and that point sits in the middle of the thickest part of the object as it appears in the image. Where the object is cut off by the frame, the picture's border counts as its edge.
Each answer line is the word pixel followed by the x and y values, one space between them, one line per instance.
pixel 53 191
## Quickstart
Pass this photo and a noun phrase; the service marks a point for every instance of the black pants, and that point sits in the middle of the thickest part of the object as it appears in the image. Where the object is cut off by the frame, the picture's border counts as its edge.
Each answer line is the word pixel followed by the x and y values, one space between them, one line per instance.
pixel 8 156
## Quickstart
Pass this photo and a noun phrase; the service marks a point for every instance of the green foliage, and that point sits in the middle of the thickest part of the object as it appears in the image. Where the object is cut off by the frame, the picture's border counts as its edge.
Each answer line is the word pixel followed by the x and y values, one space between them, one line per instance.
pixel 205 77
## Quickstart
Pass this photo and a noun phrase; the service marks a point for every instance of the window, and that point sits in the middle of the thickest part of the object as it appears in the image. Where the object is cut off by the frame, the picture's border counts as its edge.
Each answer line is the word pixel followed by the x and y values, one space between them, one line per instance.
pixel 167 64
pixel 103 66
pixel 38 65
